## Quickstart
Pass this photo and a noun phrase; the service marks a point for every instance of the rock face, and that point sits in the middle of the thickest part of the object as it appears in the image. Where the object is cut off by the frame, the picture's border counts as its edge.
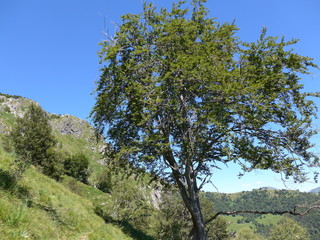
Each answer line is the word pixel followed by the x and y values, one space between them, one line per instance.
pixel 15 105
pixel 64 124
pixel 70 125
pixel 156 196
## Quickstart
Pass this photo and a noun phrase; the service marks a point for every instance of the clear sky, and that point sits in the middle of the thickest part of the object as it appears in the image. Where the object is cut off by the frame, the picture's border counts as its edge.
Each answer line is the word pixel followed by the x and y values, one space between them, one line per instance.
pixel 48 53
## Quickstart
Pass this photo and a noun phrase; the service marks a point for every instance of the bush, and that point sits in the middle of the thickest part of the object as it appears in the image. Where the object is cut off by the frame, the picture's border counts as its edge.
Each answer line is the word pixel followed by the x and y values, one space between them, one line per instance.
pixel 76 166
pixel 288 229
pixel 104 181
pixel 53 167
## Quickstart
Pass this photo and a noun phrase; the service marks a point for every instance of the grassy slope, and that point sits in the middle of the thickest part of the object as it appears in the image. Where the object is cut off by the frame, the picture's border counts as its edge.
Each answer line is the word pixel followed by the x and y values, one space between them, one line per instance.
pixel 267 220
pixel 38 207
pixel 41 208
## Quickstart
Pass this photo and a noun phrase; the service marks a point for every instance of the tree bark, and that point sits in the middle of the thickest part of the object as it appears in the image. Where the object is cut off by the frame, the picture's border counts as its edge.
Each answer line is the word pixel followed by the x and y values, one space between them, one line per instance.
pixel 198 231
pixel 189 192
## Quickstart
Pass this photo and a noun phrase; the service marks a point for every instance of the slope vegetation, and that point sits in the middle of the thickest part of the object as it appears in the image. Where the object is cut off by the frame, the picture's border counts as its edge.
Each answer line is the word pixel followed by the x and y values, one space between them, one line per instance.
pixel 266 200
pixel 38 207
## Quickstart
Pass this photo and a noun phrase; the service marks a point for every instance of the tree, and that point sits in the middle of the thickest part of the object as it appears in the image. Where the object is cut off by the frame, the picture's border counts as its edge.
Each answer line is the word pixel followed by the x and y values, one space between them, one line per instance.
pixel 288 229
pixel 173 221
pixel 34 142
pixel 180 94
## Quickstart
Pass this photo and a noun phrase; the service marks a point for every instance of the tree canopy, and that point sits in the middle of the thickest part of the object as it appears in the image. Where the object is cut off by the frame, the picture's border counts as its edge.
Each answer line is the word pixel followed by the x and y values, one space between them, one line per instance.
pixel 180 93
pixel 288 229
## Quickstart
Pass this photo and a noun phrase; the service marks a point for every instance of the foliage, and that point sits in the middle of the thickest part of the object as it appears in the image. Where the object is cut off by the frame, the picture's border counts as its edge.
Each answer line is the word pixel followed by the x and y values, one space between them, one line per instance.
pixel 288 229
pixel 77 166
pixel 311 223
pixel 34 142
pixel 7 143
pixel 173 220
pixel 53 166
pixel 180 94
pixel 129 206
pixel 267 200
pixel 247 234
pixel 129 203
pixel 104 181
pixel 36 203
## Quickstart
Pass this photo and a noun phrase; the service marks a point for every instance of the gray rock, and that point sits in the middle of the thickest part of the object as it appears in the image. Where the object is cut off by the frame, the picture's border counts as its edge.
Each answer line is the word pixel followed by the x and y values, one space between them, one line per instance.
pixel 15 106
pixel 156 196
pixel 70 125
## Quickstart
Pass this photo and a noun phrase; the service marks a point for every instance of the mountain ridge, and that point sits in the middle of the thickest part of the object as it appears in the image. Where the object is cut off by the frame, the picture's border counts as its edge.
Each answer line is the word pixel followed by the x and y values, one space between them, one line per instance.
pixel 315 190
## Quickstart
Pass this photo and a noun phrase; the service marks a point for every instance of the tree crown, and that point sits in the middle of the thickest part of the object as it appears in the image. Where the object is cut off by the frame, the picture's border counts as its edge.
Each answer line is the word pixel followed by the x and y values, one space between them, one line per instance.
pixel 180 90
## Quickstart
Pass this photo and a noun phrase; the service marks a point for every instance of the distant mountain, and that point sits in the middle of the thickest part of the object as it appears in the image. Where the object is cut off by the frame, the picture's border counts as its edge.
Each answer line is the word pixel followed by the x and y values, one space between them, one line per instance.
pixel 316 190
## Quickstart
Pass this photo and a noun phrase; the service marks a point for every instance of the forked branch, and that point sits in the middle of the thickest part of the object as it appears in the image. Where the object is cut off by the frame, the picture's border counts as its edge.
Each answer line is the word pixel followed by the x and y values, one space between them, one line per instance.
pixel 307 207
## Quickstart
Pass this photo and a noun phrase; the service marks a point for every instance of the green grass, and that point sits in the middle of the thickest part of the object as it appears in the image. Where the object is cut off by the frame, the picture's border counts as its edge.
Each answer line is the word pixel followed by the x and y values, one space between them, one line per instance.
pixel 7 118
pixel 38 207
pixel 269 219
pixel 71 144
pixel 234 226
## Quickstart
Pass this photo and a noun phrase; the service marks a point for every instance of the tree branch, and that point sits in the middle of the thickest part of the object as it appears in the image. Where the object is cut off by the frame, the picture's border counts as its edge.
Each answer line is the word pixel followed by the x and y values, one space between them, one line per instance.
pixel 293 212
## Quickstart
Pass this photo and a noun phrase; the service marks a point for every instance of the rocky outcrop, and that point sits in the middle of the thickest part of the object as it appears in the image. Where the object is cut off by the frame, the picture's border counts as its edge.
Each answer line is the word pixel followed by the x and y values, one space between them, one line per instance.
pixel 12 107
pixel 70 125
pixel 15 105
pixel 63 124
pixel 156 196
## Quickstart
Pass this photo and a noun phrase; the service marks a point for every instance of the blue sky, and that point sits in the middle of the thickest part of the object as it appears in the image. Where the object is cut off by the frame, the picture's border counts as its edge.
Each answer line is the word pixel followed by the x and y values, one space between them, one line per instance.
pixel 48 52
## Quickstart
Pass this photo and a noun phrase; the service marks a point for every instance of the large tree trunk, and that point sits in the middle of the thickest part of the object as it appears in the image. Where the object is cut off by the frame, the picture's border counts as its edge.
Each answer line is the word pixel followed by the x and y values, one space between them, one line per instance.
pixel 192 202
pixel 198 231
pixel 187 184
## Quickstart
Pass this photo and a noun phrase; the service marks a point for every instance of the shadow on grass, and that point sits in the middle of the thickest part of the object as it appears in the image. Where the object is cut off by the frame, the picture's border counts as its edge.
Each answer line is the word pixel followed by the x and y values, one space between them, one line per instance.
pixel 126 227
pixel 9 182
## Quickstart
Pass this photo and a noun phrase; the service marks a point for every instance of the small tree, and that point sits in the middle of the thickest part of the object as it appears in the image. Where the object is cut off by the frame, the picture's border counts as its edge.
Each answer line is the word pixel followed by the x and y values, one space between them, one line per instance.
pixel 288 229
pixel 180 95
pixel 34 142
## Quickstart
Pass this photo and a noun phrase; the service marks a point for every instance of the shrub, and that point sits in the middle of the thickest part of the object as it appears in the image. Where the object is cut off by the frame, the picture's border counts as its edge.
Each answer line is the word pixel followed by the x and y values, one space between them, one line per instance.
pixel 288 229
pixel 104 181
pixel 76 166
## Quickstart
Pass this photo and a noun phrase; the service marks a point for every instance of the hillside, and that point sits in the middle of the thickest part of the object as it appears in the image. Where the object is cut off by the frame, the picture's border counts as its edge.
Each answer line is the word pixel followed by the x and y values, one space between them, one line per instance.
pixel 109 205
pixel 266 200
pixel 38 207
